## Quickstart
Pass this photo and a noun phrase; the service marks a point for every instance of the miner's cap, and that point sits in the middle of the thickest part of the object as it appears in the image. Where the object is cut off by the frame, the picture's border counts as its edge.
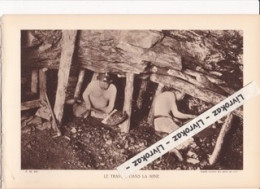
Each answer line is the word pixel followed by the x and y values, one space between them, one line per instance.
pixel 104 77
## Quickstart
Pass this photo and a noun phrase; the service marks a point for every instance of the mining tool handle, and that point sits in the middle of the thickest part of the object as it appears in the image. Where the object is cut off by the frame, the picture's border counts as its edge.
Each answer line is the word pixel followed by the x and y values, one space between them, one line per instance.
pixel 54 122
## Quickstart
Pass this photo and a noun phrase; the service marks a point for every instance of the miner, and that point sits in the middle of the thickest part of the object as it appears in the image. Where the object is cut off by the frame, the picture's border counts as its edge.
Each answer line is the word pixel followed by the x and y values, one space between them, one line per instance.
pixel 99 98
pixel 165 111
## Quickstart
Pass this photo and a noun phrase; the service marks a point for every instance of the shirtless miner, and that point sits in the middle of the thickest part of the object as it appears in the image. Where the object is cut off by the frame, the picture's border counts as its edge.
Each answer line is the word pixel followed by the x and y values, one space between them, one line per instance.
pixel 99 98
pixel 165 110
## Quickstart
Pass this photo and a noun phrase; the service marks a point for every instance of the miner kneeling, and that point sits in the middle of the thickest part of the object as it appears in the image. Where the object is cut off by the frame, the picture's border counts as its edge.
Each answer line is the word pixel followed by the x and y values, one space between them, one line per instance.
pixel 165 110
pixel 99 98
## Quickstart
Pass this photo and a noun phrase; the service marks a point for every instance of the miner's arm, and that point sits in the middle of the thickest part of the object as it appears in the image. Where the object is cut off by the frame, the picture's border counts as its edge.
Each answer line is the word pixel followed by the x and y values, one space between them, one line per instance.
pixel 112 99
pixel 86 94
pixel 176 113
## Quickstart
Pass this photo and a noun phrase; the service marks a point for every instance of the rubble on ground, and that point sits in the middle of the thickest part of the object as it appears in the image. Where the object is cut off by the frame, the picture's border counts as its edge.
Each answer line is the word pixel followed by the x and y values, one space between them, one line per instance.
pixel 88 144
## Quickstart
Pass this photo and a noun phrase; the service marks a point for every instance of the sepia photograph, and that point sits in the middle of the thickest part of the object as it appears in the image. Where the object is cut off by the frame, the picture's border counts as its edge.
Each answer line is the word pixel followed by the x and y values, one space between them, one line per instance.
pixel 93 99
pixel 130 101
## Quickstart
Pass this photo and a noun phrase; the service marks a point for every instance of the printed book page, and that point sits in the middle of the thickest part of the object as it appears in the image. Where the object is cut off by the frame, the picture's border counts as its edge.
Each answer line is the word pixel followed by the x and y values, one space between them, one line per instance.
pixel 83 95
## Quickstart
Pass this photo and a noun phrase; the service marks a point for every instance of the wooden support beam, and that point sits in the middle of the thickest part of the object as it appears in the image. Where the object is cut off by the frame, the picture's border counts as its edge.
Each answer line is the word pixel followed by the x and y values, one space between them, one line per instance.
pixel 30 104
pixel 200 80
pixel 79 83
pixel 94 76
pixel 175 73
pixel 220 141
pixel 129 89
pixel 67 50
pixel 29 39
pixel 188 88
pixel 150 115
pixel 34 81
pixel 227 89
pixel 55 125
pixel 42 83
pixel 113 67
pixel 199 74
pixel 142 90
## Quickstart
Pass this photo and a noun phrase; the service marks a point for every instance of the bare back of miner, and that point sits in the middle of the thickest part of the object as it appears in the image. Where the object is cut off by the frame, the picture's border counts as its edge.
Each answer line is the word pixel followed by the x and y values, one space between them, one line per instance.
pixel 165 111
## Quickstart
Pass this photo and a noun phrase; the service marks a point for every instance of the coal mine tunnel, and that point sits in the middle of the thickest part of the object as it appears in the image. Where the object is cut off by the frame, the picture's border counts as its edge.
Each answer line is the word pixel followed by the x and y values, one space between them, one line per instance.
pixel 141 63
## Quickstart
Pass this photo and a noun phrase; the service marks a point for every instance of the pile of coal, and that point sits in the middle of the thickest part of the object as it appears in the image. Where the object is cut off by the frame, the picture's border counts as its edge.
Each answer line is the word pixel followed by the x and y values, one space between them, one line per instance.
pixel 107 147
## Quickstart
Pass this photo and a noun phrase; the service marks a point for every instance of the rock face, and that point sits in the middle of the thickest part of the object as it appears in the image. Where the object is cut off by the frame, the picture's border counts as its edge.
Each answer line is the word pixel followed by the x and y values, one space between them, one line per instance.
pixel 207 48
pixel 214 55
pixel 141 38
pixel 124 51
pixel 163 56
pixel 98 52
pixel 41 48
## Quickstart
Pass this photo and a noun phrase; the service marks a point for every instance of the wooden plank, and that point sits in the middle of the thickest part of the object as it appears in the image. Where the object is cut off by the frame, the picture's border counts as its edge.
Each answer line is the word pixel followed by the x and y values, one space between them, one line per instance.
pixel 42 83
pixel 175 73
pixel 29 39
pixel 142 90
pixel 220 141
pixel 188 88
pixel 150 115
pixel 200 80
pixel 129 89
pixel 79 83
pixel 34 81
pixel 30 104
pixel 94 76
pixel 113 67
pixel 55 126
pixel 67 50
pixel 199 74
